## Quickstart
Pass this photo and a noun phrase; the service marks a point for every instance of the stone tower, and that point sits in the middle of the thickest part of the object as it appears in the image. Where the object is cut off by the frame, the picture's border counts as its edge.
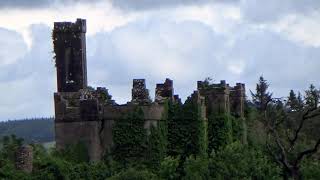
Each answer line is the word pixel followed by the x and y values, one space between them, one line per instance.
pixel 24 158
pixel 69 40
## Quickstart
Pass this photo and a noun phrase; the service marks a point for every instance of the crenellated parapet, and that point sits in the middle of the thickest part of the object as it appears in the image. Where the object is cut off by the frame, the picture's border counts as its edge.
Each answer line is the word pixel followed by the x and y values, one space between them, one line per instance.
pixel 237 99
pixel 221 98
pixel 140 94
pixel 164 91
pixel 199 100
pixel 80 26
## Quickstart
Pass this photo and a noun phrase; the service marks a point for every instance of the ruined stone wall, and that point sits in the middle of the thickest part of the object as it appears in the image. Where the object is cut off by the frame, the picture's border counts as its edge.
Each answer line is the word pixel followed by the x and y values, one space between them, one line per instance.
pixel 216 97
pixel 85 117
pixel 152 114
pixel 237 100
pixel 86 132
pixel 24 158
pixel 221 98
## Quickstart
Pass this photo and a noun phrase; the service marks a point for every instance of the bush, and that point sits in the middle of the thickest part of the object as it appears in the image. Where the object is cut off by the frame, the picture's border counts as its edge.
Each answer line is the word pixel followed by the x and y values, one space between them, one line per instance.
pixel 196 168
pixel 310 169
pixel 239 161
pixel 169 168
pixel 133 174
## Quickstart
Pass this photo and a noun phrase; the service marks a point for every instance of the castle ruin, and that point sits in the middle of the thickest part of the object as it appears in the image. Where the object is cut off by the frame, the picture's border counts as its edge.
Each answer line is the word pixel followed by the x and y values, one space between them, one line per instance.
pixel 87 115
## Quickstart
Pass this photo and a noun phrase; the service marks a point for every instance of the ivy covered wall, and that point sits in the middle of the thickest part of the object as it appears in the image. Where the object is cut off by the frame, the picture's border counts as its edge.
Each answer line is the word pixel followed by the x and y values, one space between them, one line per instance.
pixel 182 132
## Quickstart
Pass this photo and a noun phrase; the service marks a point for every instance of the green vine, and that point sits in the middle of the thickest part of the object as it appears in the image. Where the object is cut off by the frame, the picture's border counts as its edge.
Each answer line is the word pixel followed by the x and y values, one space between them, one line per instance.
pixel 187 134
pixel 130 138
pixel 219 131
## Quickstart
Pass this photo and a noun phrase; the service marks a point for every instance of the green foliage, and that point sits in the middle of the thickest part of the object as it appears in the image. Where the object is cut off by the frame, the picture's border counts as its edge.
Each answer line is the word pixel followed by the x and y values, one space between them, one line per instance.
pixel 187 131
pixel 238 161
pixel 169 168
pixel 294 102
pixel 52 168
pixel 130 138
pixel 10 145
pixel 89 171
pixel 133 174
pixel 175 130
pixel 238 128
pixel 157 141
pixel 76 153
pixel 311 169
pixel 219 132
pixel 261 97
pixel 256 131
pixel 312 97
pixel 57 165
pixel 157 145
pixel 196 168
pixel 8 171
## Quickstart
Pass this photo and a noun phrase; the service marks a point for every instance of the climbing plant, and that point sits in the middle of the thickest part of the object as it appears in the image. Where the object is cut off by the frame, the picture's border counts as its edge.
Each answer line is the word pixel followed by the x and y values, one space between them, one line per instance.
pixel 130 138
pixel 157 141
pixel 186 130
pixel 219 131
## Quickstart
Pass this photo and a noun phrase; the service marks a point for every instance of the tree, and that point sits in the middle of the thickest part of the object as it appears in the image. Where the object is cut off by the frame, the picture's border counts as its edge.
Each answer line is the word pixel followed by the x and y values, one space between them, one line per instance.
pixel 285 143
pixel 293 102
pixel 300 101
pixel 196 168
pixel 312 97
pixel 286 146
pixel 169 168
pixel 262 97
pixel 239 161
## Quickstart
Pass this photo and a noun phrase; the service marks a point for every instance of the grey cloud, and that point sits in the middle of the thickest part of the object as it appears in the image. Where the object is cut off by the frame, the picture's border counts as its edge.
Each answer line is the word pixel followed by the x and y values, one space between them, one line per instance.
pixel 155 4
pixel 270 10
pixel 285 64
pixel 34 4
pixel 121 4
pixel 29 82
pixel 15 46
pixel 154 50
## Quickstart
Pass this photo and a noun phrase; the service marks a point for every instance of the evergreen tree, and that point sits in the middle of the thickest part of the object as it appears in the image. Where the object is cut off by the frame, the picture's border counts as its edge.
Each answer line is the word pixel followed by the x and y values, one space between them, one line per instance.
pixel 292 103
pixel 262 97
pixel 312 97
pixel 300 101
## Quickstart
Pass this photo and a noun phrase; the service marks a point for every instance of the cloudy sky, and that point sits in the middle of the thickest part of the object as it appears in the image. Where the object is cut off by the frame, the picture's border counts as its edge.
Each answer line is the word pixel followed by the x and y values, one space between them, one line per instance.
pixel 185 40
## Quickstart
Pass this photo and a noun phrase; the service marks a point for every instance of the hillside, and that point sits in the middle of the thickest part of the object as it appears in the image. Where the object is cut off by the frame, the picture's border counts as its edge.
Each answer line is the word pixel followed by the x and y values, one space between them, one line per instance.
pixel 31 130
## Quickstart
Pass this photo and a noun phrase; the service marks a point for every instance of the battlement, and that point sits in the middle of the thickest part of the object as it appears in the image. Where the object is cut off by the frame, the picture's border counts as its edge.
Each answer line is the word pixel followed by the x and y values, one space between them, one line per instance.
pixel 140 94
pixel 206 85
pixel 80 26
pixel 164 91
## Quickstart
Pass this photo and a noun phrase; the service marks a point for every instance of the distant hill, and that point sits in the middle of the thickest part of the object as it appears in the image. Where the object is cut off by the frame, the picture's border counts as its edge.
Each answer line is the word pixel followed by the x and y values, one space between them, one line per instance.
pixel 37 130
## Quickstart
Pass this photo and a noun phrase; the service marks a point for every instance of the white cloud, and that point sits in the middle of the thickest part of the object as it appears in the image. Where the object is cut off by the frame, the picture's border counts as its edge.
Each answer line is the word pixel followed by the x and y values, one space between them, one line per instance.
pixel 12 47
pixel 259 11
pixel 300 28
pixel 185 43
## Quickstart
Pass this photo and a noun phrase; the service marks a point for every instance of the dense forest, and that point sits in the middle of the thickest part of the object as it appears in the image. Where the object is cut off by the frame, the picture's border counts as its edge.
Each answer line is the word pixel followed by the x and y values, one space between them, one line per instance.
pixel 35 130
pixel 279 138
